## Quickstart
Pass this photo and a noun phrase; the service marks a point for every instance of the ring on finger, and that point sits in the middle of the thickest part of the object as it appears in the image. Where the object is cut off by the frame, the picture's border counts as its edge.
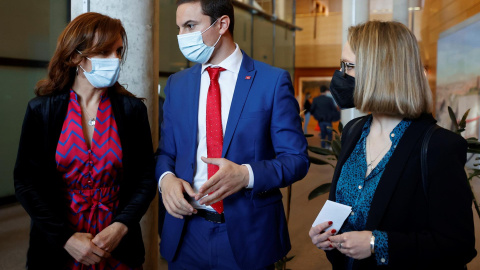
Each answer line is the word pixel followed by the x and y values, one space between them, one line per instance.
pixel 340 245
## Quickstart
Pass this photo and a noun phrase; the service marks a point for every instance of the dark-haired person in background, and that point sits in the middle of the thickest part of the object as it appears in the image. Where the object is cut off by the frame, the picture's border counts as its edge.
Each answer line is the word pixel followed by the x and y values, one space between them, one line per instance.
pixel 85 167
pixel 324 111
pixel 261 148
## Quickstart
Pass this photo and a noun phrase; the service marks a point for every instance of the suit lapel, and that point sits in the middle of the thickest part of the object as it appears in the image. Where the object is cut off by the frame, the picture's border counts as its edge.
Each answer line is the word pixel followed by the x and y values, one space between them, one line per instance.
pixel 118 109
pixel 393 170
pixel 58 107
pixel 192 103
pixel 245 79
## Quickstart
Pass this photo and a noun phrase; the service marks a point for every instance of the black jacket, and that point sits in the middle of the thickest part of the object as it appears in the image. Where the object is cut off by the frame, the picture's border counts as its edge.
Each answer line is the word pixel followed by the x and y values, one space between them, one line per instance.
pixel 324 109
pixel 424 232
pixel 38 185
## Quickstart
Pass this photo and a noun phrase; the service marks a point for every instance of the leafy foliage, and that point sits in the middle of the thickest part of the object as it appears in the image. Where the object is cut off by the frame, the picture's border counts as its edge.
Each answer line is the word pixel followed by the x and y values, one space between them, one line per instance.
pixel 322 189
pixel 473 147
pixel 328 154
pixel 282 264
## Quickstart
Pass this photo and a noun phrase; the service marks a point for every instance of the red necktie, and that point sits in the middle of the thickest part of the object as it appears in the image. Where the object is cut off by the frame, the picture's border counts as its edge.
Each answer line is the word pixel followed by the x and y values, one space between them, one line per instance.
pixel 214 125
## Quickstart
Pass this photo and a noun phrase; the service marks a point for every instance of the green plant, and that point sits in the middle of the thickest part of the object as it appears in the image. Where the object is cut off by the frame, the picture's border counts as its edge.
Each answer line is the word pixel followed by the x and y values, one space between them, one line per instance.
pixel 330 155
pixel 282 264
pixel 473 147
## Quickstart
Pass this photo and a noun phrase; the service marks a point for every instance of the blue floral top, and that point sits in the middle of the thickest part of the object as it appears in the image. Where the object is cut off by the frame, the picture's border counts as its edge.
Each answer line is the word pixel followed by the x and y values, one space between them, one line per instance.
pixel 356 190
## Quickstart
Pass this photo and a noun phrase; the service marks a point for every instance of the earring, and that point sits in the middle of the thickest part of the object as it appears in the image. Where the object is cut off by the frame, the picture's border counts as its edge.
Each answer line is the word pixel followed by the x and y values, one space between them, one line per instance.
pixel 76 71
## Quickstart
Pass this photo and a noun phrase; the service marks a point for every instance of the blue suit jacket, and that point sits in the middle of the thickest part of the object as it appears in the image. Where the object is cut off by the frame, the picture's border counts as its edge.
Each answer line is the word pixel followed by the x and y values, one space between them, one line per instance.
pixel 264 130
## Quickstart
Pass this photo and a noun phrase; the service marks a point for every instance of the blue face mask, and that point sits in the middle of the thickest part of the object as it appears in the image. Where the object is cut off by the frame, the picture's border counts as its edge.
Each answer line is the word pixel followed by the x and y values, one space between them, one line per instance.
pixel 193 48
pixel 104 73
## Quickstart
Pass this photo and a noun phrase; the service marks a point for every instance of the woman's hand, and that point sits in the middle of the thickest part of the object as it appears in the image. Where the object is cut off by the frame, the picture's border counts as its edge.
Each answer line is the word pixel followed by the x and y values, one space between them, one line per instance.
pixel 109 238
pixel 353 244
pixel 320 236
pixel 81 248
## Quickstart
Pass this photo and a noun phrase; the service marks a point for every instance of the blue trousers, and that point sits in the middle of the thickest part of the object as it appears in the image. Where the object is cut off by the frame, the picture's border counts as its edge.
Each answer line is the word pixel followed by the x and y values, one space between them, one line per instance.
pixel 325 132
pixel 305 123
pixel 205 246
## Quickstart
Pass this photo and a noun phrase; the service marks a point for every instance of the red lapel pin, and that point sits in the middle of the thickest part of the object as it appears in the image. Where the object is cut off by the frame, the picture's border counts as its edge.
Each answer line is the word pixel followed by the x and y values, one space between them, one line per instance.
pixel 248 77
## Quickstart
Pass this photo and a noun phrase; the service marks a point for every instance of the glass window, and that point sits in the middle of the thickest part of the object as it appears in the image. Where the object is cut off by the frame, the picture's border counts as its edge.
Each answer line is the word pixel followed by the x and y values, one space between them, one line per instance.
pixel 32 28
pixel 284 10
pixel 171 58
pixel 264 5
pixel 17 86
pixel 262 40
pixel 30 33
pixel 284 49
pixel 243 30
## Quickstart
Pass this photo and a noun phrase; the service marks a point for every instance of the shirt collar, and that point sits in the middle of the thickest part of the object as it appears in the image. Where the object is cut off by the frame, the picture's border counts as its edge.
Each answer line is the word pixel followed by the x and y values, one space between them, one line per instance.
pixel 396 133
pixel 74 95
pixel 231 63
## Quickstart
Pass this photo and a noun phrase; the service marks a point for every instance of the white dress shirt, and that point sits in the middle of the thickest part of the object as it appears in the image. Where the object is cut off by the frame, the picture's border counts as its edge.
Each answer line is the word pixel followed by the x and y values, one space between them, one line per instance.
pixel 227 81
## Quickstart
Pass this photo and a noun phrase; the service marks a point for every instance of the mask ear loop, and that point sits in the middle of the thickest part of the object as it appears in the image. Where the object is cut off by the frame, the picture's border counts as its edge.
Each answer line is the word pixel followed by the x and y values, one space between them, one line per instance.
pixel 80 65
pixel 209 26
pixel 217 41
pixel 76 70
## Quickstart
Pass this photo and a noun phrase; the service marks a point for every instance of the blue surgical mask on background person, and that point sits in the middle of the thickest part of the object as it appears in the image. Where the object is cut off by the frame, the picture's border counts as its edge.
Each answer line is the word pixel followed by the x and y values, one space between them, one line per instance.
pixel 342 89
pixel 193 47
pixel 104 73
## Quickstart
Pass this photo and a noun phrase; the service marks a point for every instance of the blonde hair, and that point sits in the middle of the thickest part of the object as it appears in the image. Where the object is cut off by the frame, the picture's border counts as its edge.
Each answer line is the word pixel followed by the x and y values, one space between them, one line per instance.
pixel 389 75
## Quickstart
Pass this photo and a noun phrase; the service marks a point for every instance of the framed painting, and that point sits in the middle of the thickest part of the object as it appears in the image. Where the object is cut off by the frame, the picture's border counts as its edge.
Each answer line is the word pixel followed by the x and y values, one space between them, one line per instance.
pixel 458 76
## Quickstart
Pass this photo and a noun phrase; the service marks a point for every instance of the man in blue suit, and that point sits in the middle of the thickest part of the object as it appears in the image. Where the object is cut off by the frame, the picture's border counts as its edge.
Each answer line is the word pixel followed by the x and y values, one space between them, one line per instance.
pixel 238 116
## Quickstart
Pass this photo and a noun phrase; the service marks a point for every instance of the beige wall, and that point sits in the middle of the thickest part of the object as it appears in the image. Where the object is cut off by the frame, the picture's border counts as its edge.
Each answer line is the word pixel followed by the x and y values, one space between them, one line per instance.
pixel 326 48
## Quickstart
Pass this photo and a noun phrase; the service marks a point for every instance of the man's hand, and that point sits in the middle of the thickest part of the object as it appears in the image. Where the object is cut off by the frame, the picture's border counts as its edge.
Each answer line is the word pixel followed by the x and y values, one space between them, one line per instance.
pixel 230 178
pixel 173 198
pixel 109 238
pixel 81 248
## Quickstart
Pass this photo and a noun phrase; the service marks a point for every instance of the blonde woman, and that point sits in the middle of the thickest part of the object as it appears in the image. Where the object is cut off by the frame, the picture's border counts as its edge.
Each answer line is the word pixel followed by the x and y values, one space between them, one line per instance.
pixel 397 221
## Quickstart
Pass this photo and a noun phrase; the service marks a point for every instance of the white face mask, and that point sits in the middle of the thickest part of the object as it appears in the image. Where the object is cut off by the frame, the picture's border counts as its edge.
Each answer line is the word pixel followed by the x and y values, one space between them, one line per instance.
pixel 104 73
pixel 193 47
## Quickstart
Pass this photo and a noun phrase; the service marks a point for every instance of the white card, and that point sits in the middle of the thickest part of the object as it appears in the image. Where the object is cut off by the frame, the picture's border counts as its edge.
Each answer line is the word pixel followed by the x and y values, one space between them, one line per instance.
pixel 335 212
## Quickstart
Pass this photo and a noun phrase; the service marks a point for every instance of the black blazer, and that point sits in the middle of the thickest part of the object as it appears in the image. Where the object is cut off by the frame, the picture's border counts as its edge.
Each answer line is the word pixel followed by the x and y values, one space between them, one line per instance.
pixel 424 232
pixel 323 109
pixel 38 185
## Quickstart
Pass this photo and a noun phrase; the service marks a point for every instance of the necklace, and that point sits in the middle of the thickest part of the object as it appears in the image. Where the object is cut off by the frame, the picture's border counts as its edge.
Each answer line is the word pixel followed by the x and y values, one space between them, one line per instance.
pixel 370 165
pixel 91 120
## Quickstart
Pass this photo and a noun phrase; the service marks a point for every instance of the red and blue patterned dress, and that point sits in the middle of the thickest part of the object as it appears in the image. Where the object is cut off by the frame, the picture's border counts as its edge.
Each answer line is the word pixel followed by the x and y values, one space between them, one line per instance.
pixel 91 176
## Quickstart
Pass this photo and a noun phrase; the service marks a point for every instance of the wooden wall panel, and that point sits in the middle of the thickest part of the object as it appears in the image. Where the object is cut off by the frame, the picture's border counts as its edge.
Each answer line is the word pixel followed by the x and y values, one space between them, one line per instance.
pixel 317 55
pixel 326 48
